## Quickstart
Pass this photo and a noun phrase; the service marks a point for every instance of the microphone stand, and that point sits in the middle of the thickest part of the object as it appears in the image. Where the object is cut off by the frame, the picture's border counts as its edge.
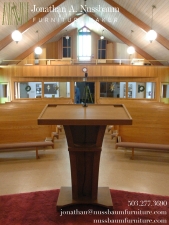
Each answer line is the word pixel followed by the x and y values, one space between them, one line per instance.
pixel 85 105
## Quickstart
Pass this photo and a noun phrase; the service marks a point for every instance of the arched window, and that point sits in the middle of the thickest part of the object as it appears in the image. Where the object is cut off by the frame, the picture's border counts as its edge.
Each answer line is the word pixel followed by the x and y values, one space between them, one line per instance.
pixel 84 44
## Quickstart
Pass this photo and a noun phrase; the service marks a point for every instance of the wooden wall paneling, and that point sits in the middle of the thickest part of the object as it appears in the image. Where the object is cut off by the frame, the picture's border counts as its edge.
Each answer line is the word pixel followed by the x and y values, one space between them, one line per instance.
pixel 27 71
pixel 32 71
pixel 73 35
pixel 134 72
pixel 164 74
pixel 52 50
pixel 60 54
pixel 51 71
pixel 42 57
pixel 105 71
pixel 39 71
pixel 42 71
pixel 110 52
pixel 5 75
pixel 94 41
pixel 90 71
pixel 96 71
pixel 54 71
pixel 30 59
pixel 72 71
pixel 16 71
pixel 64 71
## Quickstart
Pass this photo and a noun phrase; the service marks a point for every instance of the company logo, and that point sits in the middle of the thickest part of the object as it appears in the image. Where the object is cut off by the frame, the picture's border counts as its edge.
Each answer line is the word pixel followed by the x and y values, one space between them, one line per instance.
pixel 15 13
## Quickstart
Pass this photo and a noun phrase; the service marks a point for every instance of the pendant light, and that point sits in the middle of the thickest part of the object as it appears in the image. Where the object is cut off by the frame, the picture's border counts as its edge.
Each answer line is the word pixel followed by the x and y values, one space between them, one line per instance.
pixel 131 49
pixel 38 50
pixel 151 34
pixel 16 36
pixel 102 37
pixel 67 36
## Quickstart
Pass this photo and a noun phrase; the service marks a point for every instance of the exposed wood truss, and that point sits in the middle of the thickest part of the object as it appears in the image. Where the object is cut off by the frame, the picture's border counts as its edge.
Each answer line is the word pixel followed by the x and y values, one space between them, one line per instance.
pixel 7 40
pixel 125 40
pixel 162 40
pixel 45 39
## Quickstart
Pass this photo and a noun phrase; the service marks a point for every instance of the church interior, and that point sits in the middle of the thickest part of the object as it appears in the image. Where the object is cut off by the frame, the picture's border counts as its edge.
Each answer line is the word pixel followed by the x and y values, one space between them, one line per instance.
pixel 69 52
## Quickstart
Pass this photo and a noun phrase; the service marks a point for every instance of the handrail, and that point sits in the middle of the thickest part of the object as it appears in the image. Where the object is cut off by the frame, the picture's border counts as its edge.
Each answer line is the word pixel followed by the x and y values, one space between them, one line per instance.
pixel 134 61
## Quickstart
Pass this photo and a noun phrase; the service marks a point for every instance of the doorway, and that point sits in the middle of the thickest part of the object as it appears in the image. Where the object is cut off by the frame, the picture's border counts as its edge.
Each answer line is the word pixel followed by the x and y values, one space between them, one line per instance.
pixel 4 92
pixel 84 92
pixel 165 93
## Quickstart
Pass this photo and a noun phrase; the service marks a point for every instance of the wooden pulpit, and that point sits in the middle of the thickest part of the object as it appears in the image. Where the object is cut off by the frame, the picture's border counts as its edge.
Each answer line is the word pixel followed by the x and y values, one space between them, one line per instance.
pixel 84 128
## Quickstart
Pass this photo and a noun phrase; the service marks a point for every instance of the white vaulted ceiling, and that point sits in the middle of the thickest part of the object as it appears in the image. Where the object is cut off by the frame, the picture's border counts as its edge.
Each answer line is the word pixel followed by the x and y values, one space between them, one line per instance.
pixel 117 25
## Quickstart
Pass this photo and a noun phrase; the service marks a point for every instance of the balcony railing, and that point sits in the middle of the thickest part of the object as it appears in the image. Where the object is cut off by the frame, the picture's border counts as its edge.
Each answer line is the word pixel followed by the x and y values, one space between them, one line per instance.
pixel 70 61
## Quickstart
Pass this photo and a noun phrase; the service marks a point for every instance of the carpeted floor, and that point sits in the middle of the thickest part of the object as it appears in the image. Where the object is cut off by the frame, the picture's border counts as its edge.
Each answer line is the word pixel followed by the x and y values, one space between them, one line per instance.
pixel 39 208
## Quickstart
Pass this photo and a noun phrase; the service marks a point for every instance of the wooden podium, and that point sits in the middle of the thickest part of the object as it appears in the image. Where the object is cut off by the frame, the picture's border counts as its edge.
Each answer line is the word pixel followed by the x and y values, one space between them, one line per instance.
pixel 84 128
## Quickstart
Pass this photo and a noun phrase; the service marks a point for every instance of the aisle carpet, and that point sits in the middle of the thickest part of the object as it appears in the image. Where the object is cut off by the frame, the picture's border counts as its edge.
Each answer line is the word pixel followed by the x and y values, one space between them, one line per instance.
pixel 39 208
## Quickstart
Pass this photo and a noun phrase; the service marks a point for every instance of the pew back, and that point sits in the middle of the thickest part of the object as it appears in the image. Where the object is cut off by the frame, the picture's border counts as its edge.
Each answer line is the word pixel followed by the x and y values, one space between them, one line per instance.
pixel 18 121
pixel 150 121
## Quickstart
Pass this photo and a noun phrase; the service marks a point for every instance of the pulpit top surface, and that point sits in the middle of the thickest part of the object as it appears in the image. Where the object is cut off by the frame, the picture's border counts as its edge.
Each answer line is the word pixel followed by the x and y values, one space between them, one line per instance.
pixel 78 115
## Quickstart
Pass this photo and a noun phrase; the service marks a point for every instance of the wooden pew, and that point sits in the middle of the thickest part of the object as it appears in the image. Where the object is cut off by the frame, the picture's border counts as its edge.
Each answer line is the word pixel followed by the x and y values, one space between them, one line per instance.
pixel 150 121
pixel 134 145
pixel 18 122
pixel 25 146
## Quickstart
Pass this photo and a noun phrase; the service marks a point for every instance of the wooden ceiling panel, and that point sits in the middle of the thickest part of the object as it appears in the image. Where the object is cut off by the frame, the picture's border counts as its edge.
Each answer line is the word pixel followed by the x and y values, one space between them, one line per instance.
pixel 142 9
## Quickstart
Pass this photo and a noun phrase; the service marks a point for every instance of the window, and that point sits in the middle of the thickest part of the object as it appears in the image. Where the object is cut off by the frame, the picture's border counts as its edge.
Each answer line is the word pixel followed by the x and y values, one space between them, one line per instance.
pixel 28 90
pixel 39 90
pixel 84 44
pixel 102 49
pixel 112 89
pixel 66 47
pixel 56 89
pixel 133 90
pixel 141 90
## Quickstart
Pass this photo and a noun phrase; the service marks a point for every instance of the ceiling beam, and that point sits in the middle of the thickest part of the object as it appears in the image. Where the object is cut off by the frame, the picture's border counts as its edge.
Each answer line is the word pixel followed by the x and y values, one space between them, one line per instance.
pixel 45 39
pixel 7 40
pixel 162 40
pixel 125 40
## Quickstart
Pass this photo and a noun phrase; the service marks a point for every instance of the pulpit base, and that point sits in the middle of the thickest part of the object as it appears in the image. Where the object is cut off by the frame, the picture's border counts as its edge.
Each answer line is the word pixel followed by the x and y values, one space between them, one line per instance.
pixel 65 198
